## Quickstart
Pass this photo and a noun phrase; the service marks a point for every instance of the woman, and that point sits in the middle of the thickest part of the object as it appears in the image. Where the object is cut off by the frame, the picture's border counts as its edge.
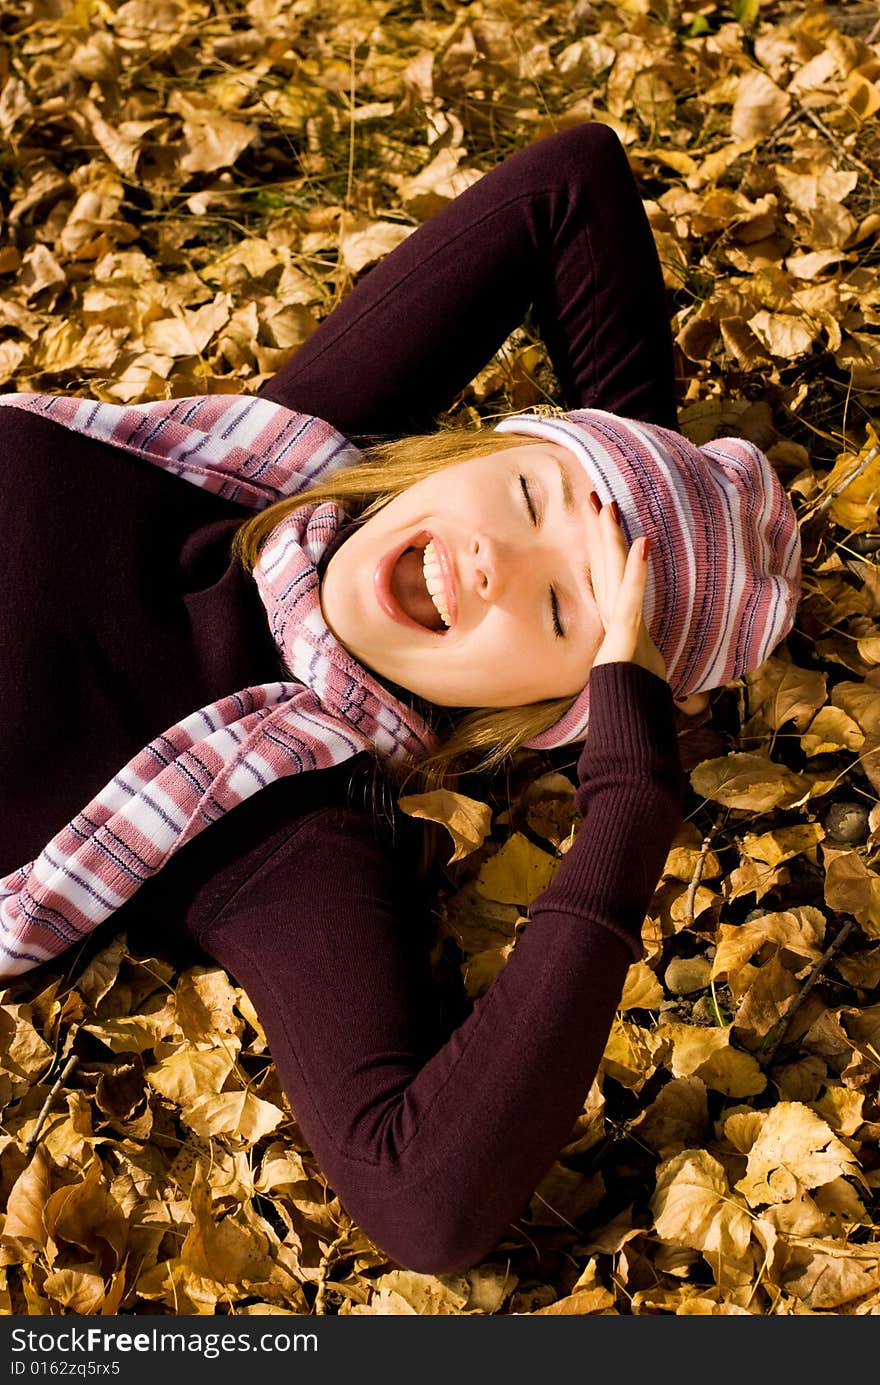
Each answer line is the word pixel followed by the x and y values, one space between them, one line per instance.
pixel 215 726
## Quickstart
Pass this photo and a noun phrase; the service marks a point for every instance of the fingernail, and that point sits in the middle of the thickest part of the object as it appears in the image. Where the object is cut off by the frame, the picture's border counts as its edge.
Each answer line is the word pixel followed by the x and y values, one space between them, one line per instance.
pixel 615 511
pixel 595 502
pixel 646 544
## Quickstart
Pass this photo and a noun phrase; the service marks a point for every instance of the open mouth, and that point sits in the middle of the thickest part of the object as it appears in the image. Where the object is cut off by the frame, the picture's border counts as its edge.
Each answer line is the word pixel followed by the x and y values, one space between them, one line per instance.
pixel 414 587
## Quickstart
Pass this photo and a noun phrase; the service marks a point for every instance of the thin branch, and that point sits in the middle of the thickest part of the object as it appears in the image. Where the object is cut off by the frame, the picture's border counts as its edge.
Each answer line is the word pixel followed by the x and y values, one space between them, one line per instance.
pixel 808 985
pixel 851 476
pixel 698 872
pixel 66 1071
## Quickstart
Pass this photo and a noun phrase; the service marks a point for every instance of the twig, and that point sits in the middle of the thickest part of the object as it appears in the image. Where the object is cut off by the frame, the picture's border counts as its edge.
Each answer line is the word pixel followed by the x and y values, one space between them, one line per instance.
pixel 808 985
pixel 833 139
pixel 698 873
pixel 66 1071
pixel 829 499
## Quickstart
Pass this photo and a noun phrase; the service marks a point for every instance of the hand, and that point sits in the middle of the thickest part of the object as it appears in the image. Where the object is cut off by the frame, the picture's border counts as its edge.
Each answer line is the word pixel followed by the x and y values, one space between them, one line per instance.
pixel 619 576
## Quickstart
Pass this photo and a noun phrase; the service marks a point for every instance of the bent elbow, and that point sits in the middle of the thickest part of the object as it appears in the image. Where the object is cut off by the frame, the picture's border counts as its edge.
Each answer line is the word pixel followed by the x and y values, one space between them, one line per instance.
pixel 426 1239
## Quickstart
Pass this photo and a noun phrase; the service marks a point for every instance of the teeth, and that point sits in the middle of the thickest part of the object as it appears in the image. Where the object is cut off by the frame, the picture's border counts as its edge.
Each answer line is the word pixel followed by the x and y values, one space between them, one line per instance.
pixel 433 574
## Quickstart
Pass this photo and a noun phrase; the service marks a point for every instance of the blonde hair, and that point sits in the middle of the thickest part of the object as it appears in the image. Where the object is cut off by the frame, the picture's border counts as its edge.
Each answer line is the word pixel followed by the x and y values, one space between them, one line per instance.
pixel 480 739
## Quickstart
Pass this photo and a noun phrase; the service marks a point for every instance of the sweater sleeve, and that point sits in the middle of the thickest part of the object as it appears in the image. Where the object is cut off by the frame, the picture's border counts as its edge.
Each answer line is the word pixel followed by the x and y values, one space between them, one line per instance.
pixel 434 1142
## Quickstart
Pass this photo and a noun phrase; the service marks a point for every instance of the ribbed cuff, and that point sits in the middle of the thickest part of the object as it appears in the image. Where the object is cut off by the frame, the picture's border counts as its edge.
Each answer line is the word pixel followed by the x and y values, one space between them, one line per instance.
pixel 632 718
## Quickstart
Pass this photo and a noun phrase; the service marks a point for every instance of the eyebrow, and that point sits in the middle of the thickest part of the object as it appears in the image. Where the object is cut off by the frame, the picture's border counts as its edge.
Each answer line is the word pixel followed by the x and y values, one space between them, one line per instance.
pixel 568 502
pixel 567 492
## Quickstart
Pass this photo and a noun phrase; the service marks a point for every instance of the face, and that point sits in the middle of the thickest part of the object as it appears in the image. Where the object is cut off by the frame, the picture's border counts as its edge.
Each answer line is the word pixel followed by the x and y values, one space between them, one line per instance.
pixel 471 588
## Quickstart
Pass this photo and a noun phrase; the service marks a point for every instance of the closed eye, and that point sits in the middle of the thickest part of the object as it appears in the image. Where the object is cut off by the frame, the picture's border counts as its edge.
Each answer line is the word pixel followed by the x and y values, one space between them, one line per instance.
pixel 557 623
pixel 533 513
pixel 558 630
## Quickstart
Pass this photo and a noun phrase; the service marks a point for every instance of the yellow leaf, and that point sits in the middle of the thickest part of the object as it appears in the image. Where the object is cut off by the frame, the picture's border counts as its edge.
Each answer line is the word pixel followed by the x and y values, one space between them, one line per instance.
pixel 831 729
pixel 706 1053
pixel 87 1215
pixel 223 1249
pixel 238 1113
pixel 131 1034
pixel 861 701
pixel 467 820
pixel 213 140
pixel 629 1054
pixel 772 848
pixel 364 241
pixel 800 930
pixel 694 1206
pixel 841 1108
pixel 784 334
pixel 426 1294
pixel 188 333
pixel 23 1052
pixel 677 1117
pixel 517 873
pixel 795 1150
pixel 760 104
pixel 187 1075
pixel 641 989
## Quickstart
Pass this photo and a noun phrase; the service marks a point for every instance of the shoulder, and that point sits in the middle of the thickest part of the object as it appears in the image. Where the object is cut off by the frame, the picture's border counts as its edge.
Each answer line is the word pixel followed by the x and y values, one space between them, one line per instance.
pixel 291 837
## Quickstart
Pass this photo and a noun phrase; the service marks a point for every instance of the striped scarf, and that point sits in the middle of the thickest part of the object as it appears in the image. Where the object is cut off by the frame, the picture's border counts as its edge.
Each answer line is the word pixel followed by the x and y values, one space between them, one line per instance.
pixel 254 452
pixel 724 566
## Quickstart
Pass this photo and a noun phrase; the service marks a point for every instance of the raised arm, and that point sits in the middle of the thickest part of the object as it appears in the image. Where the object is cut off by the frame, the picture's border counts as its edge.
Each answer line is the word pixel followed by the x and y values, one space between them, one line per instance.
pixel 557 230
pixel 434 1142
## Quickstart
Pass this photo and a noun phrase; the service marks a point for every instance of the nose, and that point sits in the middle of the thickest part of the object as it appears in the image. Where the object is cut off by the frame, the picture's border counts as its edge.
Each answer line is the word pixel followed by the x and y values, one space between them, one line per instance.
pixel 485 567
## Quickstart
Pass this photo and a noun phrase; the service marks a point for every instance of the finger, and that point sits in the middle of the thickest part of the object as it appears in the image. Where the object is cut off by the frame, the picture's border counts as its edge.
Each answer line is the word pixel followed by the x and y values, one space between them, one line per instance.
pixel 614 546
pixel 631 592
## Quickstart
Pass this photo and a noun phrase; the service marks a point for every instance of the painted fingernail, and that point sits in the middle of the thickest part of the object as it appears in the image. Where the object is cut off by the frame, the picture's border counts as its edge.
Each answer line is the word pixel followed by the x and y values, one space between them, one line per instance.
pixel 615 511
pixel 595 502
pixel 646 546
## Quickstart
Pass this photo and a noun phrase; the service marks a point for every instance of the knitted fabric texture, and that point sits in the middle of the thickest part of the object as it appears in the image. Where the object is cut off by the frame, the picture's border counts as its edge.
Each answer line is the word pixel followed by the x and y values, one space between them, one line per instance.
pixel 254 452
pixel 724 565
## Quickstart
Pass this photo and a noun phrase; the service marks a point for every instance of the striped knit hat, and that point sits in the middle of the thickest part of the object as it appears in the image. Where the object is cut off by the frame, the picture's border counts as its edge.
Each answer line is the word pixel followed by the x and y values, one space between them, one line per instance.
pixel 724 567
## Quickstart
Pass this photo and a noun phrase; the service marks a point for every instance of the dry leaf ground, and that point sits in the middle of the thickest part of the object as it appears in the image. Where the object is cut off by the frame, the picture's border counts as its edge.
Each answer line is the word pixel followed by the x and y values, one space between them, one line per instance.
pixel 187 188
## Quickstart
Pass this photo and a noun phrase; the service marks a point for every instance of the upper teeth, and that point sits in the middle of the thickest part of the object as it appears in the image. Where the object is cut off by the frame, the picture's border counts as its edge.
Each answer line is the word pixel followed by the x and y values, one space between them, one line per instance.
pixel 434 581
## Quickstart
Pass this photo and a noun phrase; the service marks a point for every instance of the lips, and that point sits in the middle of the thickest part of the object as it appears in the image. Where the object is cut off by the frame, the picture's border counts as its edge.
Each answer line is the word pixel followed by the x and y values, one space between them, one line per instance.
pixel 398 578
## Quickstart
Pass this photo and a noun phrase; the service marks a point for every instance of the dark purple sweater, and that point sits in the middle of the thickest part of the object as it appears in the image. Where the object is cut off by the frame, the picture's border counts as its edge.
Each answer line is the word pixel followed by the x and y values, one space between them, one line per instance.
pixel 432 1136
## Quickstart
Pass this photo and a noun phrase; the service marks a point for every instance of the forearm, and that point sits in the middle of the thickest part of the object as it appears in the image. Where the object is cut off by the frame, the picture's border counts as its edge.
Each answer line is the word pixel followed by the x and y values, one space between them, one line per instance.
pixel 434 1147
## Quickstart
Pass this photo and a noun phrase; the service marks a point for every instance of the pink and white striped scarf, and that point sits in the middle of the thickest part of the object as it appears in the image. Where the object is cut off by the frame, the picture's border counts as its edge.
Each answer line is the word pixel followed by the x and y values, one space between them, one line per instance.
pixel 251 451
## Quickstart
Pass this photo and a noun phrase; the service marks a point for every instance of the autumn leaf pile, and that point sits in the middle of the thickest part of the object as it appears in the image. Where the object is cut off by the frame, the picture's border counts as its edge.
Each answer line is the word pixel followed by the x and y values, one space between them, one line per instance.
pixel 187 189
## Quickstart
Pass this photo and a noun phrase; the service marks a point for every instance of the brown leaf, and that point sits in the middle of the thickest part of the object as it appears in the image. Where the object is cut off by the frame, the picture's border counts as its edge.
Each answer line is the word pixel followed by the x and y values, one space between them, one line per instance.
pixel 749 780
pixel 851 888
pixel 85 1214
pixel 781 692
pixel 224 1249
pixel 27 1200
pixel 81 1289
